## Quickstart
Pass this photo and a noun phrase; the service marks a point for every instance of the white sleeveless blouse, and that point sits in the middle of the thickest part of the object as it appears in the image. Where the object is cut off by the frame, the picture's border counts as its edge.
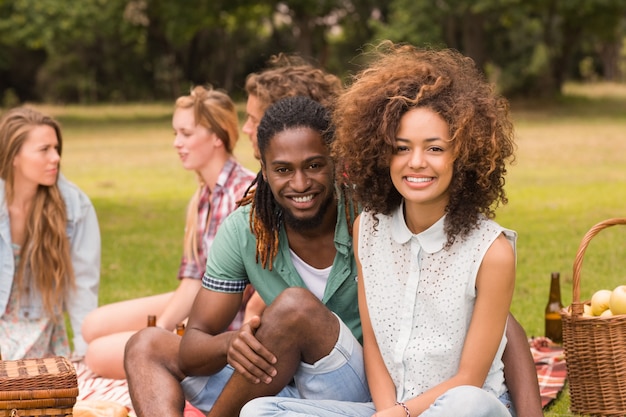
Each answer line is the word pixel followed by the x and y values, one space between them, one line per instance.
pixel 421 298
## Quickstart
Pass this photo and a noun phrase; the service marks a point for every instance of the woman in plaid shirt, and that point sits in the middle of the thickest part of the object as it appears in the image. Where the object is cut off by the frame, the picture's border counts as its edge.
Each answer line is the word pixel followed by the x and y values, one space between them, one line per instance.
pixel 206 129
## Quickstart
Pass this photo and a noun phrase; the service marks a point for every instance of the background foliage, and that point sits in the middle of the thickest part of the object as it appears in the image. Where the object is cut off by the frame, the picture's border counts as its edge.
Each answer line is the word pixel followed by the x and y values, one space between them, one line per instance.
pixel 142 50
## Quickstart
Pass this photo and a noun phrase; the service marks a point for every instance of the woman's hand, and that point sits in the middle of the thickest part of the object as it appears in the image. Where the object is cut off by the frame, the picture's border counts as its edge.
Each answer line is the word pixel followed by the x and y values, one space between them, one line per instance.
pixel 395 411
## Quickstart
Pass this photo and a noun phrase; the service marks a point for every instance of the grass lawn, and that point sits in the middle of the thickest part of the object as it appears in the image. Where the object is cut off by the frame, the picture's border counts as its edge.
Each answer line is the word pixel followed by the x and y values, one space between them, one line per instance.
pixel 570 174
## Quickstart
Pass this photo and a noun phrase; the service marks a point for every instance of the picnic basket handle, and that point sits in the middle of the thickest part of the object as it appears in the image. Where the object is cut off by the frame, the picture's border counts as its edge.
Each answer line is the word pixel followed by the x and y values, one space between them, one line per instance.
pixel 577 306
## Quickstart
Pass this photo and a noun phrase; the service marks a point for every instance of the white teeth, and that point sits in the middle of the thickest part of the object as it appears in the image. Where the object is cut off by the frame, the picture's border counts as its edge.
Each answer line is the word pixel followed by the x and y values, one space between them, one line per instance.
pixel 421 179
pixel 303 199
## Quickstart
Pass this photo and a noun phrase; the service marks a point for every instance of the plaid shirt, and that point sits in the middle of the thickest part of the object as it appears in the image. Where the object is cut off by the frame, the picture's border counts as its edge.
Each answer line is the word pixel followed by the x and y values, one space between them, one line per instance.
pixel 213 207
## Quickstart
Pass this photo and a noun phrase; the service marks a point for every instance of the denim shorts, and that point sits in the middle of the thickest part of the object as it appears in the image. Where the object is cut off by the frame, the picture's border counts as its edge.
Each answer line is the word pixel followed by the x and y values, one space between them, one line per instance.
pixel 338 376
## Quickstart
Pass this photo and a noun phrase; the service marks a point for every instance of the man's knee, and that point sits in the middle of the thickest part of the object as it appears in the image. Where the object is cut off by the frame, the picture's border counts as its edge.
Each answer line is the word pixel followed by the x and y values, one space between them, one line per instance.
pixel 294 306
pixel 152 345
pixel 144 341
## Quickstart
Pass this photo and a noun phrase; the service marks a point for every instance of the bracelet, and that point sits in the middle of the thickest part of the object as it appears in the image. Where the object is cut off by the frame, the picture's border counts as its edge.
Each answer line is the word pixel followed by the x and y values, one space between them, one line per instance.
pixel 406 409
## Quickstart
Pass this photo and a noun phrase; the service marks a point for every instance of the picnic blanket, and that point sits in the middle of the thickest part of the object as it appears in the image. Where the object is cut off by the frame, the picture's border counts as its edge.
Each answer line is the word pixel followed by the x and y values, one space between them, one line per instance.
pixel 548 357
pixel 94 387
pixel 551 368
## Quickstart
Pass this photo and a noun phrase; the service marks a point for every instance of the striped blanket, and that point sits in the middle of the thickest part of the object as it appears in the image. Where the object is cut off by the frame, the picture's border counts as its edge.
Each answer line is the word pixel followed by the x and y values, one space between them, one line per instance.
pixel 548 357
pixel 551 368
pixel 92 387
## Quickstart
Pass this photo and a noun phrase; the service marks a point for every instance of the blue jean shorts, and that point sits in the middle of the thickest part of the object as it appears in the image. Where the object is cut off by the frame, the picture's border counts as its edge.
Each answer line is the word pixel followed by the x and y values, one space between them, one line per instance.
pixel 338 376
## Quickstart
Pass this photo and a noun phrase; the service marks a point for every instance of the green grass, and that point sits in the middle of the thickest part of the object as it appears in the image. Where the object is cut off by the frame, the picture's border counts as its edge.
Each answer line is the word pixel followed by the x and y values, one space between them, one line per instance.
pixel 570 173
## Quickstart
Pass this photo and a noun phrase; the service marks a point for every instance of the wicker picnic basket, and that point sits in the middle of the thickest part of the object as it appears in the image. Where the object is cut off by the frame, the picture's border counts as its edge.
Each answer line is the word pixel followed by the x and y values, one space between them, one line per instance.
pixel 595 349
pixel 37 387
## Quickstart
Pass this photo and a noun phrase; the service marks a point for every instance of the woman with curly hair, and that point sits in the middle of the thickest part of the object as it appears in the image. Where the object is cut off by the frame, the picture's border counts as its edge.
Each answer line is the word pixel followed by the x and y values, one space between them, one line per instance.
pixel 49 242
pixel 425 141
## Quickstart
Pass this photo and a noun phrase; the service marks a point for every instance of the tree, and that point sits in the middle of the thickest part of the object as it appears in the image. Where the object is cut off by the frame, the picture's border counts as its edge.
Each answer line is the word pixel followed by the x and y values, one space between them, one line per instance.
pixel 117 50
pixel 527 46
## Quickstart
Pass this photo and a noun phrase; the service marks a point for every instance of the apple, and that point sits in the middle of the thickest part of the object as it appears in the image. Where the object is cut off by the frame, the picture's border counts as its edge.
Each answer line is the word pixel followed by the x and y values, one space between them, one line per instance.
pixel 617 301
pixel 606 313
pixel 587 310
pixel 600 302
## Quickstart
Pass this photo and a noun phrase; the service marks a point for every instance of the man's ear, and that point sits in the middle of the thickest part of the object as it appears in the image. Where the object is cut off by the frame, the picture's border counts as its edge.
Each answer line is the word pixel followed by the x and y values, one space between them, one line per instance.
pixel 263 172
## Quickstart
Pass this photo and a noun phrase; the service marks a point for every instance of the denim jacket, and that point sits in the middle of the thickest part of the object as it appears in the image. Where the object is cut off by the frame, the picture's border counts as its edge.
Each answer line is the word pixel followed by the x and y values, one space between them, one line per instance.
pixel 84 236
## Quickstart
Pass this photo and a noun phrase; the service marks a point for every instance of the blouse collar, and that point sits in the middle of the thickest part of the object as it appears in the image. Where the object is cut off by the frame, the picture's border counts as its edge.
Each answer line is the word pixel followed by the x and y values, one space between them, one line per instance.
pixel 431 240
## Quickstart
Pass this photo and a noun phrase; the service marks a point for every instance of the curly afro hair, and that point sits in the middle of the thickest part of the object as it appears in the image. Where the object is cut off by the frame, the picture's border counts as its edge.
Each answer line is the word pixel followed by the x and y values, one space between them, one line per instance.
pixel 290 76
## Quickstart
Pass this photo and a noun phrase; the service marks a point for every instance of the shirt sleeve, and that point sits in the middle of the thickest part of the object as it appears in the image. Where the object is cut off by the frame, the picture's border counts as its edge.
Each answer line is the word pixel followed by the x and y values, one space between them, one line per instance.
pixel 225 268
pixel 85 253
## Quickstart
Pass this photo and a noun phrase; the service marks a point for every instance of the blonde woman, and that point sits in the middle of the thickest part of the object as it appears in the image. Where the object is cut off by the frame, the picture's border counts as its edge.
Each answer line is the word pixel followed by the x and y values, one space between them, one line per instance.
pixel 49 242
pixel 205 133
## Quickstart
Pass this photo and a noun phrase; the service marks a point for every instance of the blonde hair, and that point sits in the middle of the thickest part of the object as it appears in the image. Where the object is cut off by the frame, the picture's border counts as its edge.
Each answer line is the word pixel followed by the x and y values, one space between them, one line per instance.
pixel 46 249
pixel 216 111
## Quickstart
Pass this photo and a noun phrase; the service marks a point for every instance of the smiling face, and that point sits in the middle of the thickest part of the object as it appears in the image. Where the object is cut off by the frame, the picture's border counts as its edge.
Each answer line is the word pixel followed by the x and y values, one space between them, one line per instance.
pixel 422 166
pixel 37 162
pixel 194 143
pixel 298 168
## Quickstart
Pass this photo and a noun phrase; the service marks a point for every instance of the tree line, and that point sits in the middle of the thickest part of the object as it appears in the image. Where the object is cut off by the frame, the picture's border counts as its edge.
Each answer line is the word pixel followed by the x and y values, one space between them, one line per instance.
pixel 92 51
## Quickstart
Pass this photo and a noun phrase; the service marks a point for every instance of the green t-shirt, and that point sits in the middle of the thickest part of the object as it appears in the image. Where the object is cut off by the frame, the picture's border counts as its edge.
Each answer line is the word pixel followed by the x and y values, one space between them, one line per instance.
pixel 231 264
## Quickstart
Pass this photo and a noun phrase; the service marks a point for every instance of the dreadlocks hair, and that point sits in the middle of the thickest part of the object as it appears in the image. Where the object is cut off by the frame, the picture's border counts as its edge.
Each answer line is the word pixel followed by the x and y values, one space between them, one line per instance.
pixel 265 214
